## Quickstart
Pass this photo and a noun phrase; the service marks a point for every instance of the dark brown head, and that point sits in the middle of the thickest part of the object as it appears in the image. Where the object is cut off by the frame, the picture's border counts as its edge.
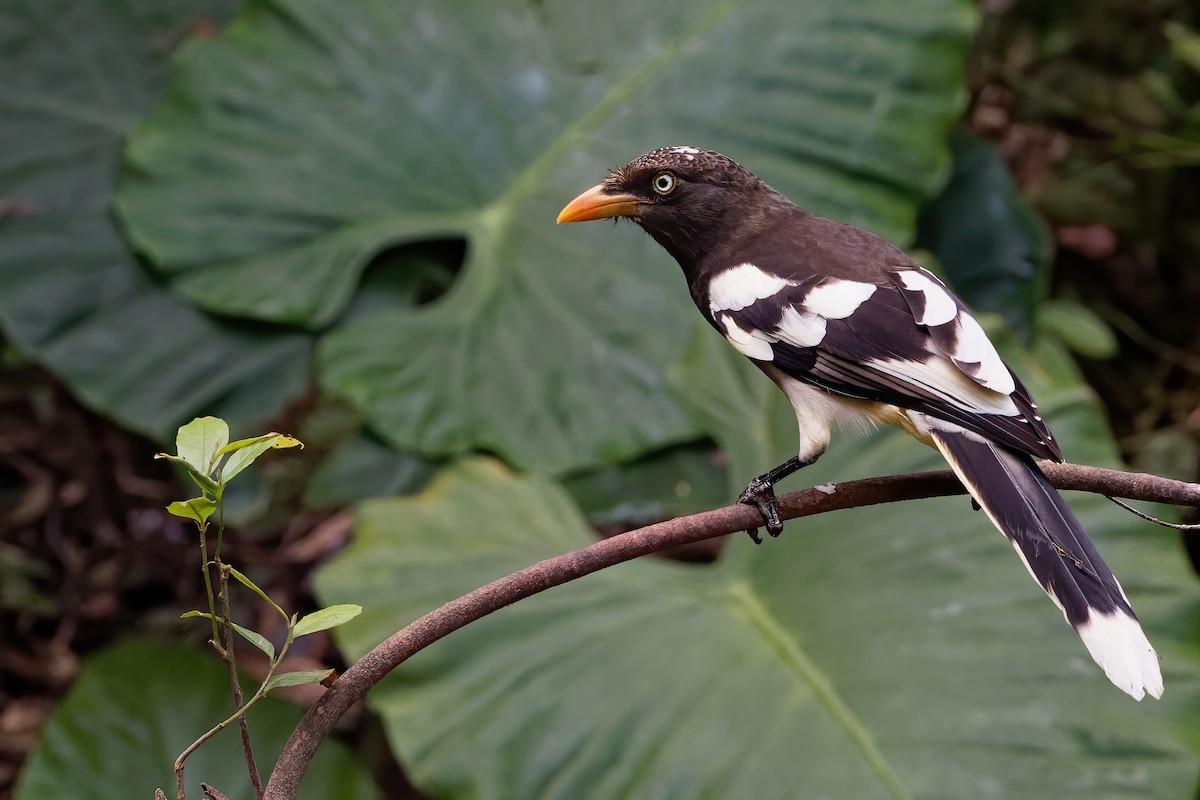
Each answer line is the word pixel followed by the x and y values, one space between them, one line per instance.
pixel 690 200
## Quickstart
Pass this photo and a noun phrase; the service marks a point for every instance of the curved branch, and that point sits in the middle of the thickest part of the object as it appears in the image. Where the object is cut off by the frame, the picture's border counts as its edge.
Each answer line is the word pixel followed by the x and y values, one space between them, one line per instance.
pixel 386 656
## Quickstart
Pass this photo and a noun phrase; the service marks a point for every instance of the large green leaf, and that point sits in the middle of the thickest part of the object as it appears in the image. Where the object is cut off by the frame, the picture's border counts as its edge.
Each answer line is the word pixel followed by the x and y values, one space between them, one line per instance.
pixel 72 296
pixel 361 468
pixel 134 709
pixel 879 652
pixel 668 483
pixel 749 417
pixel 314 133
pixel 993 246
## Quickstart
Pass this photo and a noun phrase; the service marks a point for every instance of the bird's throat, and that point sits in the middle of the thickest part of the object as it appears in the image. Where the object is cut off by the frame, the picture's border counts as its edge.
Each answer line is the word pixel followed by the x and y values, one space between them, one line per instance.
pixel 705 237
pixel 687 246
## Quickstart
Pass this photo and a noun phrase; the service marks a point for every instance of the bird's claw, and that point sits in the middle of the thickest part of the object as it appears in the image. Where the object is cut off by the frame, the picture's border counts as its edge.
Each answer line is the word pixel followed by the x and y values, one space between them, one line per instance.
pixel 761 495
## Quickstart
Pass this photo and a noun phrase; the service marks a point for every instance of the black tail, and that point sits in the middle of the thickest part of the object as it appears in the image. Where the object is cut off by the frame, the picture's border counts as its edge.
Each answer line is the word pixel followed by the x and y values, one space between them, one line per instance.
pixel 1058 554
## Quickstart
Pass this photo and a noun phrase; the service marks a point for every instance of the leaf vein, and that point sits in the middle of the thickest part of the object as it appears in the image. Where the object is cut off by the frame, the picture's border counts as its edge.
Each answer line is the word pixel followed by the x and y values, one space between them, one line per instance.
pixel 806 670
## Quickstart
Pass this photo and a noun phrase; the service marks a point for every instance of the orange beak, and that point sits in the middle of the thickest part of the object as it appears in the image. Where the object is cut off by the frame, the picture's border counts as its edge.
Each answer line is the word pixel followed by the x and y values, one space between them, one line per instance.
pixel 597 203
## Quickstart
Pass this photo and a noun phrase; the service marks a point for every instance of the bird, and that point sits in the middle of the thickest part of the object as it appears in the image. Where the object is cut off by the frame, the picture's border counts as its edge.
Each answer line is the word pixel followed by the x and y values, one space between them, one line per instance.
pixel 855 333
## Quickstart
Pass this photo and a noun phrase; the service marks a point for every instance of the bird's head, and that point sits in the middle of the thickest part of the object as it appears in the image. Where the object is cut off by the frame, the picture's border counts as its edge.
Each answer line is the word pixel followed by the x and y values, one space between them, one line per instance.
pixel 688 199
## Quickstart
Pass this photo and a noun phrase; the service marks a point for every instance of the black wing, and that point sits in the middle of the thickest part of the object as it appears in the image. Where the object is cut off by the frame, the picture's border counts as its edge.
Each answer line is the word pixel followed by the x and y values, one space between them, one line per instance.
pixel 907 342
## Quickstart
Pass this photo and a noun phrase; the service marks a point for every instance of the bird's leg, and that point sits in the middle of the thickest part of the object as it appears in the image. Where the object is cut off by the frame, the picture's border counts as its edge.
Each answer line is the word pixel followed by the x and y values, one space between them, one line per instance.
pixel 761 494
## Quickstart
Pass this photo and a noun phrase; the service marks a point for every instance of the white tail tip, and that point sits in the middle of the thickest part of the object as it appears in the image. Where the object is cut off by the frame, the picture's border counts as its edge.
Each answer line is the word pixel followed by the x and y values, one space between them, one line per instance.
pixel 1119 646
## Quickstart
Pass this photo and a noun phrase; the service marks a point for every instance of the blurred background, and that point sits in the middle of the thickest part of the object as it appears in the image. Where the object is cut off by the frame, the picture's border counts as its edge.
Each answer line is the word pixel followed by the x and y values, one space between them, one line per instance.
pixel 335 219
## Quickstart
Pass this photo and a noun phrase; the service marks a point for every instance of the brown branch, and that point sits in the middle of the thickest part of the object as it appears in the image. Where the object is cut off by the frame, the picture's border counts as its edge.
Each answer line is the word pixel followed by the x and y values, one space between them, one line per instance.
pixel 367 671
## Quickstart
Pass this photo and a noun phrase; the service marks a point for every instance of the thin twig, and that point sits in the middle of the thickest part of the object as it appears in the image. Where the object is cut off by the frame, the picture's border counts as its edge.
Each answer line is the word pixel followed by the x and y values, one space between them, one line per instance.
pixel 367 671
pixel 180 790
pixel 259 694
pixel 208 590
pixel 1177 526
pixel 220 726
pixel 230 660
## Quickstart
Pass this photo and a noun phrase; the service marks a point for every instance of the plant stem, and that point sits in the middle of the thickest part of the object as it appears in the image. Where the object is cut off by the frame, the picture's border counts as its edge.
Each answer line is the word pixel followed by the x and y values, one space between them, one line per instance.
pixel 208 589
pixel 231 662
pixel 220 726
pixel 180 791
pixel 240 713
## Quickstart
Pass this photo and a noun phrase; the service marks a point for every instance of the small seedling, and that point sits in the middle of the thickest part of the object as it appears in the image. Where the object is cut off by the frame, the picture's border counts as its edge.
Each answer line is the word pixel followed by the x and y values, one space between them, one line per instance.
pixel 205 454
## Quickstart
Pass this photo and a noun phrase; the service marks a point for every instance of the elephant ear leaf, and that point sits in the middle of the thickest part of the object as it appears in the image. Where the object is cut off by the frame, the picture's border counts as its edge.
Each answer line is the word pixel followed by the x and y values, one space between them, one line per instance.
pixel 73 297
pixel 137 705
pixel 891 651
pixel 475 122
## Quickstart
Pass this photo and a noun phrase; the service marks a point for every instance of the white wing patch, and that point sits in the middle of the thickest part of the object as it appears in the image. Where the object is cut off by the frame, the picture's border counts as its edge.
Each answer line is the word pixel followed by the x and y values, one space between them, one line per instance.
pixel 741 286
pixel 753 344
pixel 837 299
pixel 940 307
pixel 684 150
pixel 802 325
pixel 800 328
pixel 971 343
pixel 972 346
pixel 949 383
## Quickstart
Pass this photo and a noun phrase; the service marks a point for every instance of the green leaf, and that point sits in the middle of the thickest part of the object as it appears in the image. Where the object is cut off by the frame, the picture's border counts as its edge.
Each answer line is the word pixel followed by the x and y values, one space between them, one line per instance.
pixel 72 296
pixel 897 651
pixel 993 247
pixel 136 706
pixel 257 639
pixel 253 637
pixel 680 480
pixel 252 586
pixel 200 441
pixel 361 468
pixel 206 483
pixel 198 509
pixel 244 452
pixel 1078 327
pixel 749 417
pixel 326 618
pixel 297 678
pixel 478 124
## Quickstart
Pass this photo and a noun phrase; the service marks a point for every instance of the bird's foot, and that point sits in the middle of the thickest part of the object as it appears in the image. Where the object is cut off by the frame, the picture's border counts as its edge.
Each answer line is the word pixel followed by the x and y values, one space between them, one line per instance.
pixel 761 495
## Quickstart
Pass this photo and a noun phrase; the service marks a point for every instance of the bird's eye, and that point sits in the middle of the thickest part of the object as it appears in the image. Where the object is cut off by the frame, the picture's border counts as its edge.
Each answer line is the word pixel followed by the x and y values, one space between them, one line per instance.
pixel 664 183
